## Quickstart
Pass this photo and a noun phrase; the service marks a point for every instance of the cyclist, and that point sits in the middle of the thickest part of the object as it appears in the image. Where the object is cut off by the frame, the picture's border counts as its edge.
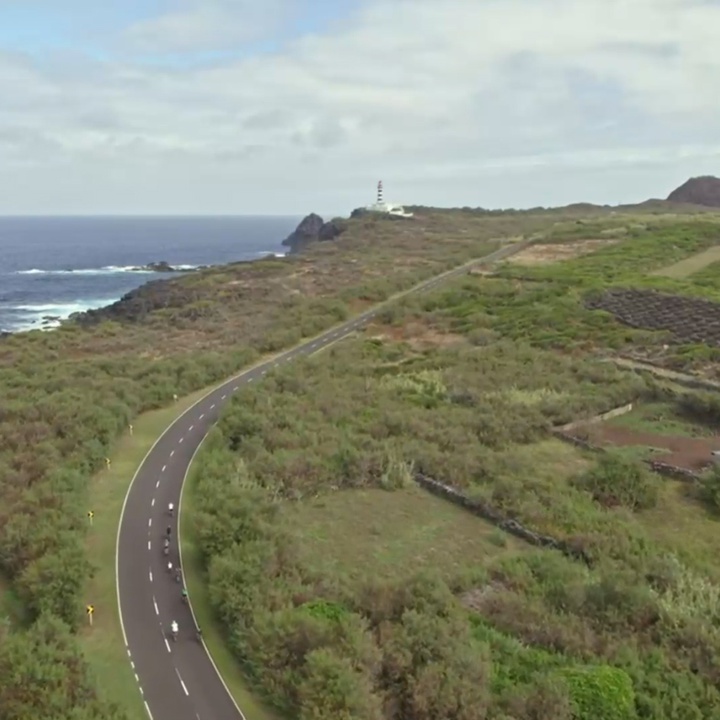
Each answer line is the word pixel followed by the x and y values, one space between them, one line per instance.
pixel 174 629
pixel 178 574
pixel 169 567
pixel 184 595
pixel 198 633
pixel 168 532
pixel 171 507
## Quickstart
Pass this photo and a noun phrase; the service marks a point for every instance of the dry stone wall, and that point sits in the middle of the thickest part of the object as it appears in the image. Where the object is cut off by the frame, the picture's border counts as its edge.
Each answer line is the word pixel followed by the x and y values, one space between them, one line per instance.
pixel 510 525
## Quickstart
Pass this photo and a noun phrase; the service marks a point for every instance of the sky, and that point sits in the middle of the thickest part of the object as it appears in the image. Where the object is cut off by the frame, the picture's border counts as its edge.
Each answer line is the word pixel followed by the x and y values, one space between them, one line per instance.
pixel 292 106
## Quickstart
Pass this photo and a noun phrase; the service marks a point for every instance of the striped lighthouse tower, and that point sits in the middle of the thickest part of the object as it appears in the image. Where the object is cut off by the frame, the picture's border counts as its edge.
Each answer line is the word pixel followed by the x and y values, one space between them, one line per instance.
pixel 380 193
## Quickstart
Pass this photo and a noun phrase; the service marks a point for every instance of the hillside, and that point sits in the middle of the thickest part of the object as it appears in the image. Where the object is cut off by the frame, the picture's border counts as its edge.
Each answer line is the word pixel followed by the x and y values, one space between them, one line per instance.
pixel 703 190
pixel 69 395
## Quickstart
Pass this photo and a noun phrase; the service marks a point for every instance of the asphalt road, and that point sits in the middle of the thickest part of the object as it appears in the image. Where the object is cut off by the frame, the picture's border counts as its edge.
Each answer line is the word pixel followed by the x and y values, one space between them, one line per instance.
pixel 178 679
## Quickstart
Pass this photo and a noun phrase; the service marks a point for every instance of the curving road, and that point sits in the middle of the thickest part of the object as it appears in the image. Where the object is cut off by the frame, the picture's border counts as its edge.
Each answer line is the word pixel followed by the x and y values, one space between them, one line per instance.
pixel 178 680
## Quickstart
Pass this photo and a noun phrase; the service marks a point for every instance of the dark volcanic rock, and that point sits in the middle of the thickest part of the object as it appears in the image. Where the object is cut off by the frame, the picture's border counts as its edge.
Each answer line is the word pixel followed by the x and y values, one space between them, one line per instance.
pixel 163 266
pixel 135 305
pixel 311 229
pixel 703 190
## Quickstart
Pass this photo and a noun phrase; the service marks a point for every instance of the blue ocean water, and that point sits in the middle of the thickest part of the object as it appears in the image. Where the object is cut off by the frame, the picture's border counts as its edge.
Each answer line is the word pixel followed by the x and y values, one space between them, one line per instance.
pixel 51 267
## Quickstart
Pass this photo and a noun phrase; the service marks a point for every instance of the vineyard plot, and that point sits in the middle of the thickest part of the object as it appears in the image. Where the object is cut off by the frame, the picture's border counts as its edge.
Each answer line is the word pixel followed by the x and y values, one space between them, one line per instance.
pixel 689 320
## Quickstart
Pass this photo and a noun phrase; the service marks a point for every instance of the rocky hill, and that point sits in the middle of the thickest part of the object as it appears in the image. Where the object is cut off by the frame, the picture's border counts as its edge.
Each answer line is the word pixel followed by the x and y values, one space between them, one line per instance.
pixel 704 190
pixel 313 228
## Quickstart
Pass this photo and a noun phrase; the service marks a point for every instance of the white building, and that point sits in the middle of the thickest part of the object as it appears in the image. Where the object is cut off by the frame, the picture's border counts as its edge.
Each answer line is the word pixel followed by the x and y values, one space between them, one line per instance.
pixel 380 206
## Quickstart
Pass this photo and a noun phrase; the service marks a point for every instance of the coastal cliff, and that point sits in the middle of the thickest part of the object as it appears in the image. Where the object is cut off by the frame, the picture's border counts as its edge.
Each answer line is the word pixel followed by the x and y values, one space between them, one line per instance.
pixel 313 228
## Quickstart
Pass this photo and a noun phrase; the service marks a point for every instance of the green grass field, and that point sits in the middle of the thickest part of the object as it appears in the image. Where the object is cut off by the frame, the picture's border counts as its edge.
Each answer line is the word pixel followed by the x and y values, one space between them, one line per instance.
pixel 689 266
pixel 362 533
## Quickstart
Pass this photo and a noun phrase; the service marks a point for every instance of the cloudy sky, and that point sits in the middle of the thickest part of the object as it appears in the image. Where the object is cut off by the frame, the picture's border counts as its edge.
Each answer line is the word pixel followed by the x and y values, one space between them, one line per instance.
pixel 288 106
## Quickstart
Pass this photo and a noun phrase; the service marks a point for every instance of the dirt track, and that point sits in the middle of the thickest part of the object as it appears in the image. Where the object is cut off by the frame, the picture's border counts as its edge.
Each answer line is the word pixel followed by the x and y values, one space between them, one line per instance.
pixel 690 453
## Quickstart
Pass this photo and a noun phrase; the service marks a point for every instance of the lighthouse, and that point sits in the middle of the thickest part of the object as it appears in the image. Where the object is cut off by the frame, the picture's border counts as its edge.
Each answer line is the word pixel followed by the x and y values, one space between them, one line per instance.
pixel 380 206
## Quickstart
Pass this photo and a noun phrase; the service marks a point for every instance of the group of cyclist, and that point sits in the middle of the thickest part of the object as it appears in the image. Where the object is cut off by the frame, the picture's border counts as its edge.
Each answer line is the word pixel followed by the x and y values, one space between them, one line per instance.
pixel 178 577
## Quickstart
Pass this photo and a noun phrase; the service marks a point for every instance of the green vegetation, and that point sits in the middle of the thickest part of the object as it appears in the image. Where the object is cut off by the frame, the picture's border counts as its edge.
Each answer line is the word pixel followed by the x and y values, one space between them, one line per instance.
pixel 328 567
pixel 463 384
pixel 70 394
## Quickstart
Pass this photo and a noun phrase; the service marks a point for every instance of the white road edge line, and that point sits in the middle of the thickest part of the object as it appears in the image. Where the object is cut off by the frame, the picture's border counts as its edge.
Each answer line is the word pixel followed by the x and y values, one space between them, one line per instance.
pixel 182 566
pixel 147 707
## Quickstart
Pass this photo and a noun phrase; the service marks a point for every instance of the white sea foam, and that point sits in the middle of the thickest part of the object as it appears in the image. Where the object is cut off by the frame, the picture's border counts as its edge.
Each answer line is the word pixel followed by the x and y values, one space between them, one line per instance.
pixel 107 270
pixel 46 316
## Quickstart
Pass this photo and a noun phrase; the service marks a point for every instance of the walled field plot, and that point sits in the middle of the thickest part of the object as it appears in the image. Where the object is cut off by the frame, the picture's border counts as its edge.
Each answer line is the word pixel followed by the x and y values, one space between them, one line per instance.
pixel 546 253
pixel 689 266
pixel 685 452
pixel 660 418
pixel 687 319
pixel 371 533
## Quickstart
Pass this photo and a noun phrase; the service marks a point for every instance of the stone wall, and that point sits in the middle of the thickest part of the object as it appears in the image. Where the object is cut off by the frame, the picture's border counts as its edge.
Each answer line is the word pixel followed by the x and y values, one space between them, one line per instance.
pixel 615 412
pixel 509 525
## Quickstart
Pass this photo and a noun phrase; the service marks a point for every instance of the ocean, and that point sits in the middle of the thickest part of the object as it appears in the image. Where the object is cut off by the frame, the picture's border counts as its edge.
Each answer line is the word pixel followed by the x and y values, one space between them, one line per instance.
pixel 51 267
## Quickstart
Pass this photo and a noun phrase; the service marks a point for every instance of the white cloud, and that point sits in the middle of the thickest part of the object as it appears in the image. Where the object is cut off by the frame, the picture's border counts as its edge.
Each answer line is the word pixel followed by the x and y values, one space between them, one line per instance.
pixel 450 102
pixel 205 26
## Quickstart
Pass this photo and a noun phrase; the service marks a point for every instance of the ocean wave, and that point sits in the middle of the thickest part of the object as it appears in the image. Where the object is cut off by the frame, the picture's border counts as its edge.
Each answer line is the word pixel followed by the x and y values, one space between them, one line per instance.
pixel 46 316
pixel 107 270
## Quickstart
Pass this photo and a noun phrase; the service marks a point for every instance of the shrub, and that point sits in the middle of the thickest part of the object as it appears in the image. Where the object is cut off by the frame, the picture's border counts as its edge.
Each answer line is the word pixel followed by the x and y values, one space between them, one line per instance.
pixel 600 692
pixel 618 481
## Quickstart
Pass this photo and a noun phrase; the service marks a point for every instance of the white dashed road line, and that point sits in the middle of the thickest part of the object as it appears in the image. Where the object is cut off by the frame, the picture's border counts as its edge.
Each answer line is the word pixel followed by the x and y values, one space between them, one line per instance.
pixel 180 440
pixel 149 544
pixel 202 415
pixel 157 611
pixel 149 522
pixel 157 484
pixel 152 504
pixel 212 406
pixel 172 452
pixel 190 429
pixel 167 645
pixel 163 468
pixel 223 397
pixel 150 575
pixel 181 682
